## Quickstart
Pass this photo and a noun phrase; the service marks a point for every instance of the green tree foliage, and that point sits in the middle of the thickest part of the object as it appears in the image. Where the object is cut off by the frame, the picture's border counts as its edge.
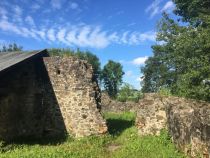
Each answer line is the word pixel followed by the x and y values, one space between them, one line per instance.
pixel 11 48
pixel 194 11
pixel 128 93
pixel 61 52
pixel 182 62
pixel 112 74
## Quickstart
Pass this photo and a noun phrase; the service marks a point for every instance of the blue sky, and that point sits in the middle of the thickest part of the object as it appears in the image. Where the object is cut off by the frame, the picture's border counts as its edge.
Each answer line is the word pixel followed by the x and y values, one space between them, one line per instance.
pixel 120 30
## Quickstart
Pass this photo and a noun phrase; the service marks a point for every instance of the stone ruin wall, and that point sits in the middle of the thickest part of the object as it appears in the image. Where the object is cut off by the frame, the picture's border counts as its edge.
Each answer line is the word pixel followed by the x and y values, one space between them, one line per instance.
pixel 189 125
pixel 188 122
pixel 77 94
pixel 150 115
pixel 58 95
pixel 49 98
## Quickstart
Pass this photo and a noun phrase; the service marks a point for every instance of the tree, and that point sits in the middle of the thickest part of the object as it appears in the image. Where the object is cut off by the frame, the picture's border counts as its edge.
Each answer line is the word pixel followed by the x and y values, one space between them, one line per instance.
pixel 112 74
pixel 11 48
pixel 194 11
pixel 159 70
pixel 60 52
pixel 128 93
pixel 182 62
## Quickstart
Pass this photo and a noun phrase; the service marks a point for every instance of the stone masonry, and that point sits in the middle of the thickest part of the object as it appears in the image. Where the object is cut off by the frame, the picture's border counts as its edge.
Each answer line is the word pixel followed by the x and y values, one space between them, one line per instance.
pixel 188 122
pixel 151 115
pixel 189 125
pixel 48 96
pixel 76 93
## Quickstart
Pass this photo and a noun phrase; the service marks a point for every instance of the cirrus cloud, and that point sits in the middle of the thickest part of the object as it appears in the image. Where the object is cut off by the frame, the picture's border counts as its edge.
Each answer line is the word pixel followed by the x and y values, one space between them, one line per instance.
pixel 82 35
pixel 156 7
pixel 168 7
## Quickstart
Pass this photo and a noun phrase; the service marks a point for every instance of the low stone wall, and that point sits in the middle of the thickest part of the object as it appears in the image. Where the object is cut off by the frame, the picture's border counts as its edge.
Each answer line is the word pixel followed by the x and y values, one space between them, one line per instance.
pixel 151 115
pixel 188 122
pixel 150 112
pixel 189 125
pixel 110 105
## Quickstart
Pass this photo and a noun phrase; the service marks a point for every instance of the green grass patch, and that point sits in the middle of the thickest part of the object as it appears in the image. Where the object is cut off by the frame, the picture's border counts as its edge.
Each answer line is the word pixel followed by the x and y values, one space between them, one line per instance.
pixel 122 142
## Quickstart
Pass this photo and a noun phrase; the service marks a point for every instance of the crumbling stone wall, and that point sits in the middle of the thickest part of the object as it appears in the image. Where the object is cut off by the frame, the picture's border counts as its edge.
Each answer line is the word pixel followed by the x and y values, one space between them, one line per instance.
pixel 49 97
pixel 77 94
pixel 151 115
pixel 189 125
pixel 188 122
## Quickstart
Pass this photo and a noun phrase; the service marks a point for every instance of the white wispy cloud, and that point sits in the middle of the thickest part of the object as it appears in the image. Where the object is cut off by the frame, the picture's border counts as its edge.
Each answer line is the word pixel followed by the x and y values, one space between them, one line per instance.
pixel 124 38
pixel 168 7
pixel 129 73
pixel 81 35
pixel 154 8
pixel 139 60
pixel 61 36
pixel 29 33
pixel 87 36
pixel 136 61
pixel 22 31
pixel 41 33
pixel 148 36
pixel 9 27
pixel 30 21
pixel 17 14
pixel 51 35
pixel 134 39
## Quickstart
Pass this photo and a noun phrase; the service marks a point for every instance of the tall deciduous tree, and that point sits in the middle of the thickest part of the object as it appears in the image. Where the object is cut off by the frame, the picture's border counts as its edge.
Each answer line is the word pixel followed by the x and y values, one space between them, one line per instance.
pixel 182 62
pixel 112 77
pixel 194 11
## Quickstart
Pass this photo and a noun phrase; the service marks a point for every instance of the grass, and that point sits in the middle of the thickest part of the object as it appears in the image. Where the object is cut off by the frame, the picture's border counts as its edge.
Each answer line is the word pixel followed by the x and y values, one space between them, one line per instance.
pixel 122 142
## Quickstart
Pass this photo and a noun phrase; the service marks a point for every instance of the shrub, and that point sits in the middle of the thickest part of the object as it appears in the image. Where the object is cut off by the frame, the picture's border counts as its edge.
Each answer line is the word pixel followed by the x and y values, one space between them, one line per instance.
pixel 164 91
pixel 128 93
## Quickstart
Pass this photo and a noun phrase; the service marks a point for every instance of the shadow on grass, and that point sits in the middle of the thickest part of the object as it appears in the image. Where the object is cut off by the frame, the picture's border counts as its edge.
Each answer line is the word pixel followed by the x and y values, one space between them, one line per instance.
pixel 117 126
pixel 19 142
